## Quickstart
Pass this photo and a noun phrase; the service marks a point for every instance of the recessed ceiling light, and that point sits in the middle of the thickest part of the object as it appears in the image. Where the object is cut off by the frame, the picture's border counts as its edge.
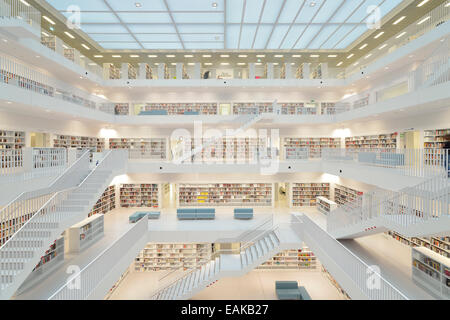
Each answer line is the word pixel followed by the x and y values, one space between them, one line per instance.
pixel 356 63
pixel 156 64
pixel 258 63
pixel 312 4
pixel 447 5
pixel 423 20
pixel 241 63
pixel 400 35
pixel 314 56
pixel 278 56
pixel 134 56
pixel 383 46
pixel 152 56
pixel 260 55
pixel 170 56
pixel 48 20
pixel 174 63
pixel 225 64
pixel 351 55
pixel 379 35
pixel 188 56
pixel 191 64
pixel 45 34
pixel 368 56
pixel 85 46
pixel 214 4
pixel 116 56
pixel 332 56
pixel 92 64
pixel 224 55
pixel 65 47
pixel 138 4
pixel 8 102
pixel 242 56
pixel 208 64
pixel 25 3
pixel 81 56
pixel 339 64
pixel 275 63
pixel 422 3
pixel 296 56
pixel 363 46
pixel 69 35
pixel 98 56
pixel 399 20
pixel 38 57
pixel 206 56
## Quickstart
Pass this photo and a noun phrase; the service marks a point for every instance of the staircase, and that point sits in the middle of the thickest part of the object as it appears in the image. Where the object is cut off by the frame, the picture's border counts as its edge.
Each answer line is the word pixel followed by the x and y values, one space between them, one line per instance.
pixel 225 264
pixel 422 210
pixel 20 254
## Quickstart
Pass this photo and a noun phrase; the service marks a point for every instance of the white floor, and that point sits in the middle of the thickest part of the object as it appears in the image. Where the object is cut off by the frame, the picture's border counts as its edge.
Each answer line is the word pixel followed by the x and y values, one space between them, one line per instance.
pixel 255 285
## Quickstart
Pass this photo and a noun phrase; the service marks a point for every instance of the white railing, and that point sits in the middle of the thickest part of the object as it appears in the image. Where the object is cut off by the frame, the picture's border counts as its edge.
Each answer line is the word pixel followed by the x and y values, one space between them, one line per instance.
pixel 94 273
pixel 141 154
pixel 11 161
pixel 410 162
pixel 46 159
pixel 16 9
pixel 361 274
pixel 18 211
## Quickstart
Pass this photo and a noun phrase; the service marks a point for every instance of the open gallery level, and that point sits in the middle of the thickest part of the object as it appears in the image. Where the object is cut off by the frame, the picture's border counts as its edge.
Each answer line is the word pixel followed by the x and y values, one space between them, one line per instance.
pixel 224 149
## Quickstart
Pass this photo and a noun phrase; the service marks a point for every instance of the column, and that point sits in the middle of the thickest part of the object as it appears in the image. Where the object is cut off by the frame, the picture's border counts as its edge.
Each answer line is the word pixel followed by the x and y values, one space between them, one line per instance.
pixel 124 71
pixel 197 71
pixel 270 70
pixel 288 68
pixel 324 70
pixel 106 74
pixel 161 71
pixel 59 46
pixel 179 71
pixel 142 71
pixel 306 71
pixel 251 71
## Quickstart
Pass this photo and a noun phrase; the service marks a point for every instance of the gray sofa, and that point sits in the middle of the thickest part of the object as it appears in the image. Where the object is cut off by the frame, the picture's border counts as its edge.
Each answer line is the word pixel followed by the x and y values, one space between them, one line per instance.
pixel 289 290
pixel 196 214
pixel 243 213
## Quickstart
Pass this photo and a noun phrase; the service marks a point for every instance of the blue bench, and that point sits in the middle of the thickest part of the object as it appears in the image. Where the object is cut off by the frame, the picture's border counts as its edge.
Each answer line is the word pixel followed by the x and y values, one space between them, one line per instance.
pixel 153 113
pixel 191 113
pixel 135 217
pixel 196 214
pixel 243 213
pixel 287 290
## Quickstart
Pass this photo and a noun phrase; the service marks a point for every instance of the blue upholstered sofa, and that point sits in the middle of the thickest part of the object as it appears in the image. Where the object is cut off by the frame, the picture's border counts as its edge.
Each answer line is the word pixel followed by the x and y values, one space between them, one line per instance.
pixel 191 113
pixel 243 213
pixel 289 290
pixel 196 213
pixel 153 113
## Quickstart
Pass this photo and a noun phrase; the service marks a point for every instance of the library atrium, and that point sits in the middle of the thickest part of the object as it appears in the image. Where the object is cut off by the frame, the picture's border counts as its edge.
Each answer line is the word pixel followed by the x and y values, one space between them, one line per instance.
pixel 224 150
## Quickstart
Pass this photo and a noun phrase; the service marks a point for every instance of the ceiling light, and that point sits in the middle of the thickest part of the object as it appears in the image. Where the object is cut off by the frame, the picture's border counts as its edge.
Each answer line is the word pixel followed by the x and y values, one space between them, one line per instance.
pixel 363 46
pixel 241 63
pixel 422 3
pixel 314 56
pixel 116 56
pixel 208 64
pixel 156 64
pixel 191 64
pixel 138 4
pixel 332 56
pixel 134 56
pixel 152 56
pixel 224 56
pixel 69 35
pixel 312 4
pixel 225 64
pixel 85 46
pixel 351 55
pixel 188 56
pixel 400 35
pixel 368 56
pixel 25 3
pixel 356 63
pixel 174 63
pixel 92 64
pixel 98 56
pixel 275 63
pixel 447 5
pixel 206 56
pixel 214 4
pixel 260 55
pixel 383 46
pixel 49 20
pixel 258 63
pixel 278 56
pixel 65 47
pixel 379 35
pixel 339 64
pixel 242 56
pixel 170 56
pixel 399 20
pixel 296 55
pixel 45 34
pixel 423 20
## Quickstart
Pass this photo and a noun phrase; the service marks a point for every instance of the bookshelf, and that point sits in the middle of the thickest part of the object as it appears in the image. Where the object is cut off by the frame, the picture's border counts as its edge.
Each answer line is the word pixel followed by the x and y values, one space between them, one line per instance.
pixel 81 142
pixel 343 195
pixel 10 139
pixel 252 108
pixel 305 194
pixel 294 259
pixel 431 271
pixel 295 147
pixel 85 233
pixel 434 141
pixel 440 245
pixel 122 109
pixel 148 72
pixel 324 205
pixel 382 141
pixel 225 194
pixel 328 108
pixel 145 148
pixel 106 203
pixel 53 258
pixel 297 109
pixel 49 42
pixel 181 108
pixel 334 283
pixel 114 72
pixel 140 195
pixel 172 256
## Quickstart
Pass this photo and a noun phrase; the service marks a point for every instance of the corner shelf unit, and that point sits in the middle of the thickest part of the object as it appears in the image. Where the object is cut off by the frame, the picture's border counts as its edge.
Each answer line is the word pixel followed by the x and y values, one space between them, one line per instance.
pixel 144 148
pixel 324 205
pixel 172 256
pixel 382 141
pixel 84 234
pixel 181 108
pixel 106 203
pixel 291 260
pixel 343 195
pixel 140 195
pixel 295 147
pixel 10 139
pixel 52 259
pixel 305 194
pixel 440 245
pixel 225 194
pixel 431 271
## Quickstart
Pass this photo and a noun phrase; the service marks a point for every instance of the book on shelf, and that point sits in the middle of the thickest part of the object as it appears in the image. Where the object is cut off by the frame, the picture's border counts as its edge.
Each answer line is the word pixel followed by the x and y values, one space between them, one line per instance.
pixel 305 194
pixel 381 141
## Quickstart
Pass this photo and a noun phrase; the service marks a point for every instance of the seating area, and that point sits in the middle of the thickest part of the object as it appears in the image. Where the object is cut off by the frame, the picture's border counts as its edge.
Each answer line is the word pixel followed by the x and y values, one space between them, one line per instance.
pixel 135 217
pixel 289 290
pixel 243 213
pixel 196 214
pixel 153 113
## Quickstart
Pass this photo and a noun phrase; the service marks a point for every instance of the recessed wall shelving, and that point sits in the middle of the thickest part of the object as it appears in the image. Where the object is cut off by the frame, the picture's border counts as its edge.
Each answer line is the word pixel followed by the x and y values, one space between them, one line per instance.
pixel 305 194
pixel 381 141
pixel 140 195
pixel 295 147
pixel 291 260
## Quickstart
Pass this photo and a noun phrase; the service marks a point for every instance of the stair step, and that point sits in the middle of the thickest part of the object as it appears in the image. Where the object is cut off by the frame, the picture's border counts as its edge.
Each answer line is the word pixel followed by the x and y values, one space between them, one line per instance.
pixel 268 243
pixel 263 245
pixel 254 253
pixel 274 238
pixel 258 250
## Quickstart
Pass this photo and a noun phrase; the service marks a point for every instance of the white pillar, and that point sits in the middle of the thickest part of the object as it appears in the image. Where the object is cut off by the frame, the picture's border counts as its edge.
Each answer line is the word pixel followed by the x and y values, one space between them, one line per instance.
pixel 288 68
pixel 179 71
pixel 106 71
pixel 251 71
pixel 324 70
pixel 124 71
pixel 306 71
pixel 270 70
pixel 59 46
pixel 161 71
pixel 27 159
pixel 197 71
pixel 142 71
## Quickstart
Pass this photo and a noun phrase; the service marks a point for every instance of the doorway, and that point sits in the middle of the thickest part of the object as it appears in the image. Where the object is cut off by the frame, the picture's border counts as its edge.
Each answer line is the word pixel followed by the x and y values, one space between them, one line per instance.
pixel 39 140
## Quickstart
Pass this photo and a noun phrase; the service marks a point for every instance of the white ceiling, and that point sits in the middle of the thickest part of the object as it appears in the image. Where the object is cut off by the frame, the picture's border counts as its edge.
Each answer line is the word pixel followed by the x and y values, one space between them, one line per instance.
pixel 224 24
